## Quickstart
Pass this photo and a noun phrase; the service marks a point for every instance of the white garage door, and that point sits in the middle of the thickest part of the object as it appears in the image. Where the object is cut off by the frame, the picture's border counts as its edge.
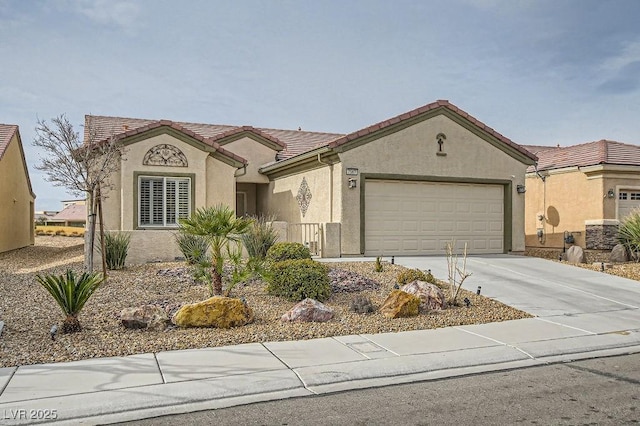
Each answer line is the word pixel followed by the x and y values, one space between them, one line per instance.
pixel 419 218
pixel 628 201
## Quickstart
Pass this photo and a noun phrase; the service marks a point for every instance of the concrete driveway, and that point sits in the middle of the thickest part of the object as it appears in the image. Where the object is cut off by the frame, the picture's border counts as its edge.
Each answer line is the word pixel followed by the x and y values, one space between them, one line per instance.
pixel 545 288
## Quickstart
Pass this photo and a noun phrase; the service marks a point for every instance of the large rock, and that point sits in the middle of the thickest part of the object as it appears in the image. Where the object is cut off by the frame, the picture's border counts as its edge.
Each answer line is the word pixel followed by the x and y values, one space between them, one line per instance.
pixel 400 304
pixel 218 312
pixel 431 296
pixel 575 254
pixel 150 317
pixel 618 254
pixel 309 310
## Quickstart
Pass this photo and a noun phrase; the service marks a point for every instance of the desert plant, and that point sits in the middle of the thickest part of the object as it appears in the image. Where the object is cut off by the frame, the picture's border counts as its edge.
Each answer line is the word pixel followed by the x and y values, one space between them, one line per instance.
pixel 287 251
pixel 193 247
pixel 629 234
pixel 71 293
pixel 260 237
pixel 297 279
pixel 116 246
pixel 361 305
pixel 378 266
pixel 410 275
pixel 220 226
pixel 457 274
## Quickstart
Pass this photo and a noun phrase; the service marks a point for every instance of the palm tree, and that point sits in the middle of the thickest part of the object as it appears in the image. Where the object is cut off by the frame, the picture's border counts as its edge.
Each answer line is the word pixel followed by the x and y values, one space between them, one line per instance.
pixel 221 227
pixel 71 294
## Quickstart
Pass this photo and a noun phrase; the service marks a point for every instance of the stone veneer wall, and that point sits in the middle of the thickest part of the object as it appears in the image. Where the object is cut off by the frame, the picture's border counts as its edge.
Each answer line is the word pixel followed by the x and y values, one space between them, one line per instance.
pixel 601 237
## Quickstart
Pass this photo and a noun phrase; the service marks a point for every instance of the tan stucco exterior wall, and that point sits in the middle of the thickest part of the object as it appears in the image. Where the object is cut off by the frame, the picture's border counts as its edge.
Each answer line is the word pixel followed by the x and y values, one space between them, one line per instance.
pixel 16 201
pixel 256 155
pixel 413 152
pixel 280 198
pixel 212 182
pixel 566 199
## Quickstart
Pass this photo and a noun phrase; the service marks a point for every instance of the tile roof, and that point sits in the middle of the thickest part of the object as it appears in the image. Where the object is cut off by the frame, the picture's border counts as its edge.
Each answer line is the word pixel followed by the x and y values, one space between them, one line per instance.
pixel 293 142
pixel 6 134
pixel 72 213
pixel 586 154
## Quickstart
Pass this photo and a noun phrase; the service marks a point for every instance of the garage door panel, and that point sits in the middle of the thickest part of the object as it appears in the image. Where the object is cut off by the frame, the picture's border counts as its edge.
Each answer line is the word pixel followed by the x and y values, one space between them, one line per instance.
pixel 414 218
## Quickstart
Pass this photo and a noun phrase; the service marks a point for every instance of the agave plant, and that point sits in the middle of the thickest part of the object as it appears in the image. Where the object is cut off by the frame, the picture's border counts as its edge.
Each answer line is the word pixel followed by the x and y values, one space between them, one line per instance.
pixel 71 292
pixel 193 247
pixel 260 237
pixel 629 233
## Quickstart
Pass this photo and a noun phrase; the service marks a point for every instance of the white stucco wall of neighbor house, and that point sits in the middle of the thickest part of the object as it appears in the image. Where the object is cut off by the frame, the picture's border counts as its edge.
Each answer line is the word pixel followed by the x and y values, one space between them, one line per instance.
pixel 212 182
pixel 413 153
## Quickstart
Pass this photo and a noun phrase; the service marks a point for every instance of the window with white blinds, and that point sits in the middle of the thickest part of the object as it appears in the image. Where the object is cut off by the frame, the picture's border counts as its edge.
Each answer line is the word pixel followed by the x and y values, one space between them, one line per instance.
pixel 163 200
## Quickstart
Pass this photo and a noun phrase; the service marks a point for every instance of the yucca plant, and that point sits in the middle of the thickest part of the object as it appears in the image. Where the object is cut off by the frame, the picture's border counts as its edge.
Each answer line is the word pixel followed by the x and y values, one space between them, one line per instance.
pixel 116 248
pixel 193 247
pixel 629 234
pixel 71 292
pixel 260 237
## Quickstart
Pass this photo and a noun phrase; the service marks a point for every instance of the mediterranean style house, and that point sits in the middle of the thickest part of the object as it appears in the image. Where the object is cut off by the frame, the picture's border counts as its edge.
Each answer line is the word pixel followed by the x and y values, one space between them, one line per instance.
pixel 581 193
pixel 16 196
pixel 403 186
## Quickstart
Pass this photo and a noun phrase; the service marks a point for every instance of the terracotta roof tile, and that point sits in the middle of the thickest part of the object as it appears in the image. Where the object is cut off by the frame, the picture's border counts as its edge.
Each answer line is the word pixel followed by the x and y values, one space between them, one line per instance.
pixel 6 134
pixel 586 154
pixel 294 142
pixel 72 213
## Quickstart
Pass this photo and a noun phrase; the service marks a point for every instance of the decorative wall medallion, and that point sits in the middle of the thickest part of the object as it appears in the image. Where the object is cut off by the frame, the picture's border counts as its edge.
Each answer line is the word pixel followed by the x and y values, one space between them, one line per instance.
pixel 165 155
pixel 304 196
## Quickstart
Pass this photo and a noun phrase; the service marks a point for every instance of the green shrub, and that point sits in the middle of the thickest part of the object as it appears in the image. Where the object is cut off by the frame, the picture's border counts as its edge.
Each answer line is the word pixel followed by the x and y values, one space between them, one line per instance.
pixel 409 275
pixel 287 251
pixel 297 279
pixel 260 237
pixel 116 247
pixel 629 233
pixel 193 247
pixel 71 293
pixel 378 266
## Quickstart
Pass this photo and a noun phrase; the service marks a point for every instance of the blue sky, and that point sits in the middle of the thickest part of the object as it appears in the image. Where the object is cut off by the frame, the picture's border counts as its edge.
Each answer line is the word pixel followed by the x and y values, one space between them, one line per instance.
pixel 539 72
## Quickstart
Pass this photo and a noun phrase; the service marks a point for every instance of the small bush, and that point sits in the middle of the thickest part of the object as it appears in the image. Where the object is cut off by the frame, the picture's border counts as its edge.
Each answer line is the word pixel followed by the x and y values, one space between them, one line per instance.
pixel 116 247
pixel 629 233
pixel 297 279
pixel 287 251
pixel 378 267
pixel 361 305
pixel 193 247
pixel 260 237
pixel 410 275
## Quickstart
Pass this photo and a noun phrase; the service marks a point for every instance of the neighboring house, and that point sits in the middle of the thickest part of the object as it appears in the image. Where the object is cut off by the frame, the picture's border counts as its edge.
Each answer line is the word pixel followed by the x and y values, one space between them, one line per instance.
pixel 16 196
pixel 583 190
pixel 404 186
pixel 74 214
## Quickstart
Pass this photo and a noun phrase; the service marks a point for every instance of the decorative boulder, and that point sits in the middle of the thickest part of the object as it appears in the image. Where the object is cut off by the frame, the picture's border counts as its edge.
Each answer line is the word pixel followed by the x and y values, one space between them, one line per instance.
pixel 618 254
pixel 149 317
pixel 400 304
pixel 218 312
pixel 309 310
pixel 431 296
pixel 575 254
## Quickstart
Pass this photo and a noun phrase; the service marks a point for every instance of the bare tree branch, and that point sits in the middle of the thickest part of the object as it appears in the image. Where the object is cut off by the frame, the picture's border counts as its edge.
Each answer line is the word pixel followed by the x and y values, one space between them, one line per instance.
pixel 80 167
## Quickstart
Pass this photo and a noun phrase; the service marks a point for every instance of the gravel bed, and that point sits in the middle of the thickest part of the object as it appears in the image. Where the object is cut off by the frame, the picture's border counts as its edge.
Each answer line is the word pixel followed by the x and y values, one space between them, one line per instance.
pixel 29 312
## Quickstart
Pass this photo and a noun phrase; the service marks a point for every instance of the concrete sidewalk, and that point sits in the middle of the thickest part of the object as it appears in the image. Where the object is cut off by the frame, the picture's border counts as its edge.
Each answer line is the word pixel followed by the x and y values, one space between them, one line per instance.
pixel 126 388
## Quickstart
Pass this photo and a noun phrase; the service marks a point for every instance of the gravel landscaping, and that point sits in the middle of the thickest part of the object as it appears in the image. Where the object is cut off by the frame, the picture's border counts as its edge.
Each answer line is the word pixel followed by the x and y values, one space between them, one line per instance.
pixel 29 312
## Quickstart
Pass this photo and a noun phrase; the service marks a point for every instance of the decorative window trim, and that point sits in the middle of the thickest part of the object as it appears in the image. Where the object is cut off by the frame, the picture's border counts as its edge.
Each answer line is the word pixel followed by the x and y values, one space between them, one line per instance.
pixel 169 217
pixel 165 155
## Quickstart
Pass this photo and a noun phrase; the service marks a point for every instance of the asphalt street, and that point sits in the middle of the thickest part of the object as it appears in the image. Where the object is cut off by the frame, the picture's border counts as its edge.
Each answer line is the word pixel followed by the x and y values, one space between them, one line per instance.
pixel 604 391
